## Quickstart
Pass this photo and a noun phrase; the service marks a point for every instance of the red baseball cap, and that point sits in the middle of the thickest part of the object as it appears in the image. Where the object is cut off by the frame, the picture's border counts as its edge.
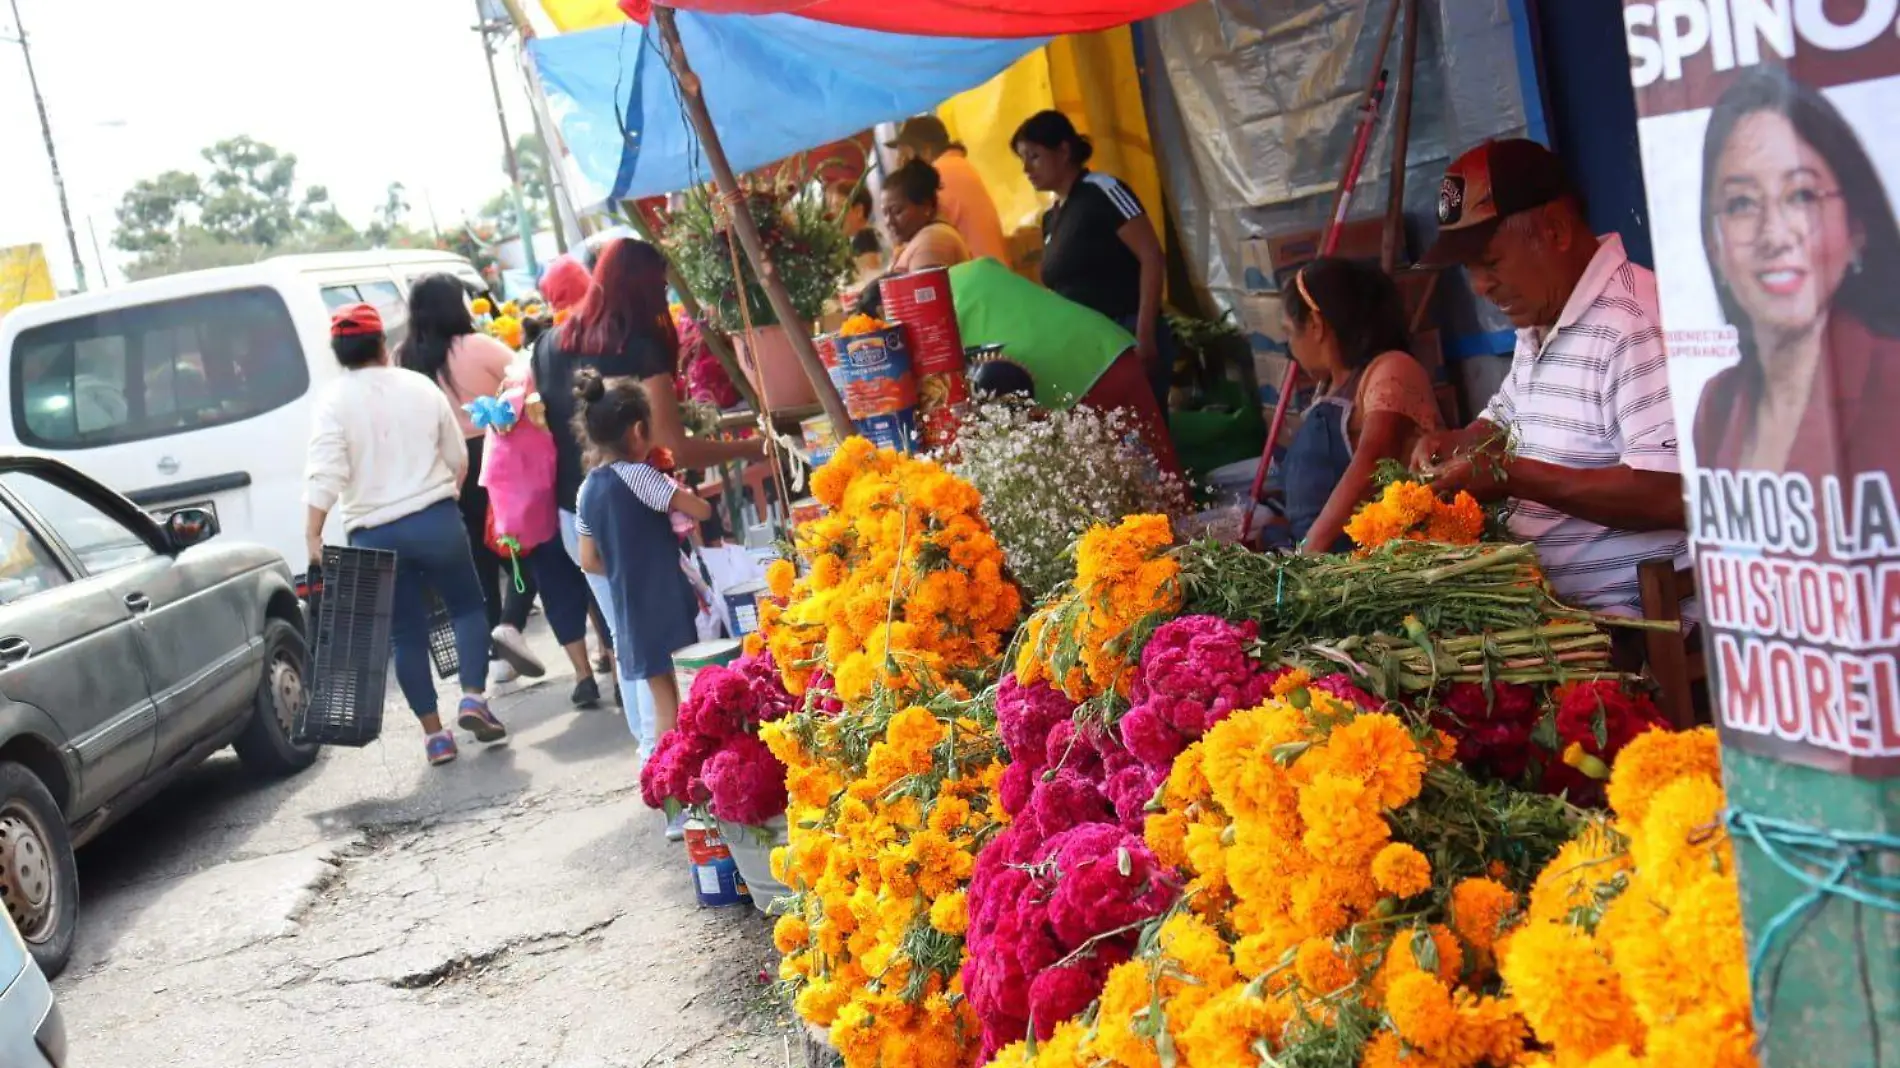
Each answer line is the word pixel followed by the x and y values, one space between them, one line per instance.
pixel 1484 187
pixel 355 320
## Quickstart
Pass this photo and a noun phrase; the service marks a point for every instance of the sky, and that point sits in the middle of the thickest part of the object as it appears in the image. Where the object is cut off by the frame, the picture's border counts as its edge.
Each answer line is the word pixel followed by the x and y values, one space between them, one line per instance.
pixel 363 92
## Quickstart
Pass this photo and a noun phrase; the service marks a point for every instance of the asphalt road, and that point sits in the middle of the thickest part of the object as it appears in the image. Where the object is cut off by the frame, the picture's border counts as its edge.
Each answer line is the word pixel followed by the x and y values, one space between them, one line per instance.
pixel 519 907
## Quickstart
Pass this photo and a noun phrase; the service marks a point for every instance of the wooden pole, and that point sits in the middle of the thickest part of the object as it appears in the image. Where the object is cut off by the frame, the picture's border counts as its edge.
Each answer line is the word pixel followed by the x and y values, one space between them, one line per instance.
pixel 715 340
pixel 1394 230
pixel 728 185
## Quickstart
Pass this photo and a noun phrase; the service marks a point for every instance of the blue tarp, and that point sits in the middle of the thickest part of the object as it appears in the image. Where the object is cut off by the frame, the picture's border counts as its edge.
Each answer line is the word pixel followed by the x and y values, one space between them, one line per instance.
pixel 775 84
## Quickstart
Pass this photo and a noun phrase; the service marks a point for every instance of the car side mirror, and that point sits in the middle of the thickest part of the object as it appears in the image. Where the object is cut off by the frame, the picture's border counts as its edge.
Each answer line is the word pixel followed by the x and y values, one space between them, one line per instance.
pixel 191 526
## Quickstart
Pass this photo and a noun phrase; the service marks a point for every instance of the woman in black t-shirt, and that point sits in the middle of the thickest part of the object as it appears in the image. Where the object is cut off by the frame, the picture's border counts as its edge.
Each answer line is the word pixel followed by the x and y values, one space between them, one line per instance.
pixel 1099 247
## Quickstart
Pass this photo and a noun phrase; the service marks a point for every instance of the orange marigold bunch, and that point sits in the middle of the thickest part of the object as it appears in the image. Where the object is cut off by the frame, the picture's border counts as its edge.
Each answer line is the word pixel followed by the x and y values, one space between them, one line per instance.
pixel 903 583
pixel 1412 512
pixel 1082 641
pixel 1633 952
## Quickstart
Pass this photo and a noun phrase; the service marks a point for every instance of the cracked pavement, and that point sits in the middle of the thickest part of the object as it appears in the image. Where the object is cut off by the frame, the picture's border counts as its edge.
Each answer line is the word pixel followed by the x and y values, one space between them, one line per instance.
pixel 519 907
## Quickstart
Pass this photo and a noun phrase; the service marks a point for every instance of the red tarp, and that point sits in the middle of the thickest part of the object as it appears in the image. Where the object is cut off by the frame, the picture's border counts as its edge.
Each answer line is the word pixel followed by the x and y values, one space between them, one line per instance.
pixel 939 18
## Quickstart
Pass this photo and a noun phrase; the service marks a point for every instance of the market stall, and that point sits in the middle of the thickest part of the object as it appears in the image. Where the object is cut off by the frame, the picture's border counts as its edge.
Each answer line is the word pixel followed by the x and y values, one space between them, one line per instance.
pixel 1197 805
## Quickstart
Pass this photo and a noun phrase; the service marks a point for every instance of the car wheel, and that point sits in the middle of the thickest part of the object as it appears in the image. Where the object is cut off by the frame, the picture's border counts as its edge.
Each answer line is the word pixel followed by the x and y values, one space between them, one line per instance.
pixel 266 746
pixel 39 880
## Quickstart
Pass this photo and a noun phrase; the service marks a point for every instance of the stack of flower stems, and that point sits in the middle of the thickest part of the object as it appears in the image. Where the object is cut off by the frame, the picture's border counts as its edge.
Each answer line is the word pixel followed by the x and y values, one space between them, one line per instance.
pixel 1422 612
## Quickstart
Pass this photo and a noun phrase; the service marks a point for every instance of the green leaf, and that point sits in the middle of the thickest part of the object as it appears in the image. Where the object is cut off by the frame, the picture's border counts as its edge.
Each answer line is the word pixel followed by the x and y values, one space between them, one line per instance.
pixel 1124 864
pixel 1545 733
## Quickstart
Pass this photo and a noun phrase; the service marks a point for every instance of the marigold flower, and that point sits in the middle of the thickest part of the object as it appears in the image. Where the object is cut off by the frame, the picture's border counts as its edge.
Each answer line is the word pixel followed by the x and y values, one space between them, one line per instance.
pixel 1402 870
pixel 1479 908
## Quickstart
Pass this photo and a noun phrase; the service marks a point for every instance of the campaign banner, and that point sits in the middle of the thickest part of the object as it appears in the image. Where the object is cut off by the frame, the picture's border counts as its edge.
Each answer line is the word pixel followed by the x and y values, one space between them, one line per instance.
pixel 1770 134
pixel 24 277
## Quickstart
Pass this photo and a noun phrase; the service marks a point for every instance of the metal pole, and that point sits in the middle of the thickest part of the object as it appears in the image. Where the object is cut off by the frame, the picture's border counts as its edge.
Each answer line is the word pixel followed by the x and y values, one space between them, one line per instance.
pixel 748 232
pixel 52 157
pixel 105 273
pixel 526 30
pixel 522 222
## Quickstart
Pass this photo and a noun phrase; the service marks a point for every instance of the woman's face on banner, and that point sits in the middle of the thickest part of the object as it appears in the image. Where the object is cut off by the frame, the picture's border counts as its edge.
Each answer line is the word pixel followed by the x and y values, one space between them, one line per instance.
pixel 1783 236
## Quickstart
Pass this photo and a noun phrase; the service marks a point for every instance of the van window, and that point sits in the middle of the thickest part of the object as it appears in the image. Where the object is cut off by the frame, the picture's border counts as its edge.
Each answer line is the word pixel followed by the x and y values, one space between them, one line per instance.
pixel 389 301
pixel 155 369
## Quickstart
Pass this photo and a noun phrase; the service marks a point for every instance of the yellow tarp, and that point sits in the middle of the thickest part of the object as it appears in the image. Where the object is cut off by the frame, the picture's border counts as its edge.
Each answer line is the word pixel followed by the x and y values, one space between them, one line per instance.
pixel 572 15
pixel 1089 77
pixel 24 277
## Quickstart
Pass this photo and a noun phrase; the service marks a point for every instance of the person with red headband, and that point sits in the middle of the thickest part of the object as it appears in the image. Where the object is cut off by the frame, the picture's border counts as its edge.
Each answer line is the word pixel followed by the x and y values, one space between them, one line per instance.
pixel 387 451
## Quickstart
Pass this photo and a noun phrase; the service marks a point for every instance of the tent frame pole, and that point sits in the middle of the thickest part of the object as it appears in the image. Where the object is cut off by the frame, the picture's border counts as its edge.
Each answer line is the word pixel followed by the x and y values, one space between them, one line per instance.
pixel 728 184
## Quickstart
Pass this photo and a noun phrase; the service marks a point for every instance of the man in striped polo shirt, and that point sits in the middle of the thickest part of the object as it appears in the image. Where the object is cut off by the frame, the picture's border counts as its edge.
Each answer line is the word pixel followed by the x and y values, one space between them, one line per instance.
pixel 1581 435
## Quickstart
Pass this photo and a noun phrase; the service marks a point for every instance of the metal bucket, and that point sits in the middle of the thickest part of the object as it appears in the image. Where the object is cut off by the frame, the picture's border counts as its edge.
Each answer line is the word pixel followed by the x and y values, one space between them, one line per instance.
pixel 743 601
pixel 716 879
pixel 751 849
pixel 690 661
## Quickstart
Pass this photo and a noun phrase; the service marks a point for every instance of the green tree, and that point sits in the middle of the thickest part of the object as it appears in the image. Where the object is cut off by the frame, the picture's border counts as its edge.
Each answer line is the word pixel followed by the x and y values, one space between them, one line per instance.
pixel 249 193
pixel 155 211
pixel 244 207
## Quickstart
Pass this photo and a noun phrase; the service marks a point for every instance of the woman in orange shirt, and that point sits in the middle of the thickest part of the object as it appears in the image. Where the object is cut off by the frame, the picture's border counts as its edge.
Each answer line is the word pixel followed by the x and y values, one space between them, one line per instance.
pixel 911 212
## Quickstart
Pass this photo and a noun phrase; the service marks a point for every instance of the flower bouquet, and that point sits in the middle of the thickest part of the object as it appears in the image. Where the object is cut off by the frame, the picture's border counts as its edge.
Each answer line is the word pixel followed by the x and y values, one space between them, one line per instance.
pixel 715 762
pixel 808 249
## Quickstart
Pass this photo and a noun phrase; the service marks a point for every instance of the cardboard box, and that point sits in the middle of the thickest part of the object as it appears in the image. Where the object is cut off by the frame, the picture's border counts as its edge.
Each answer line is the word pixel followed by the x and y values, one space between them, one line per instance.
pixel 1359 239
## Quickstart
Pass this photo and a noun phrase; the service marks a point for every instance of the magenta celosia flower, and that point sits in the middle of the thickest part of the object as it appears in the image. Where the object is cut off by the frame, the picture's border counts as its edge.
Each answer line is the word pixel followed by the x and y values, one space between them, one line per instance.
pixel 1149 735
pixel 672 773
pixel 1130 789
pixel 770 701
pixel 720 704
pixel 746 782
pixel 1026 714
pixel 1108 879
pixel 1035 900
pixel 1018 782
pixel 1195 672
pixel 1068 800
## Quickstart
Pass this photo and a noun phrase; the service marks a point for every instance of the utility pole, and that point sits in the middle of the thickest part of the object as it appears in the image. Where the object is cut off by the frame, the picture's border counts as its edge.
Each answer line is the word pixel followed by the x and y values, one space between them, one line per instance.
pixel 105 273
pixel 523 222
pixel 52 157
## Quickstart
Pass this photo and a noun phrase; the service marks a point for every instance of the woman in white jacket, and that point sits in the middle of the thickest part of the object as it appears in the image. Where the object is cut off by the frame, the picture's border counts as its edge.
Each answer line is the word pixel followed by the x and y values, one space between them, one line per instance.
pixel 386 449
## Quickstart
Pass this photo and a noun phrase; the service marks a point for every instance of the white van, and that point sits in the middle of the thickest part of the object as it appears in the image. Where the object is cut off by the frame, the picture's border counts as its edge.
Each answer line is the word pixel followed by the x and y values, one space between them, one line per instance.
pixel 194 389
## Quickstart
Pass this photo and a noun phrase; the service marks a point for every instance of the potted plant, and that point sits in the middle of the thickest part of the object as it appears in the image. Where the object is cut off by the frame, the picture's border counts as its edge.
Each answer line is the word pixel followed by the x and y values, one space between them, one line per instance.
pixel 808 249
pixel 715 764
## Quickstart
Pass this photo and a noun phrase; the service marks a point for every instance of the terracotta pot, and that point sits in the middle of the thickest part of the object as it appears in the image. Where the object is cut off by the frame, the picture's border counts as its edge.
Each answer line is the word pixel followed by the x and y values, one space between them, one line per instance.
pixel 784 384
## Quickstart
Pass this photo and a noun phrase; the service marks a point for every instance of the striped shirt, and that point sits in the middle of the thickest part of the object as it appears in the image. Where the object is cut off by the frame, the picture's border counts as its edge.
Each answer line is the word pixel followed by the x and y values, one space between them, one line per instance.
pixel 1593 392
pixel 649 487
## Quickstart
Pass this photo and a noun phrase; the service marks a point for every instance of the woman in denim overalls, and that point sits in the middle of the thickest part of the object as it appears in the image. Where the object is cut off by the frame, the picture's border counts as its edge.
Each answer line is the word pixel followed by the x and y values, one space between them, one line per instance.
pixel 1346 327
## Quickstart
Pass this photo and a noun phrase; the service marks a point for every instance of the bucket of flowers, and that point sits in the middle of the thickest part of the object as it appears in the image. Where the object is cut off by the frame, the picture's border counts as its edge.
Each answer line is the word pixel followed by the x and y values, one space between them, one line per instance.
pixel 715 764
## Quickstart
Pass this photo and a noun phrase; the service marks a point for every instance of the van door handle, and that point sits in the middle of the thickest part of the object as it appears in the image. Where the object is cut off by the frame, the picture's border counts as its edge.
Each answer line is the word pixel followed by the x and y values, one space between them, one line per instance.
pixel 138 603
pixel 14 649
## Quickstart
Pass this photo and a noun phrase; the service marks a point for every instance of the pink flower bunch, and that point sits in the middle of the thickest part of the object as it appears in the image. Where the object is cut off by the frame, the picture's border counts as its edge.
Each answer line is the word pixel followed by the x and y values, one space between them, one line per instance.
pixel 701 376
pixel 1036 903
pixel 1062 774
pixel 672 773
pixel 746 781
pixel 714 757
pixel 1195 671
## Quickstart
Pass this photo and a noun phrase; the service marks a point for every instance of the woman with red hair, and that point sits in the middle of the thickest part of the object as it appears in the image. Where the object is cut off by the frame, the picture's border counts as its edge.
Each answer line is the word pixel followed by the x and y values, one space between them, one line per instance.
pixel 622 328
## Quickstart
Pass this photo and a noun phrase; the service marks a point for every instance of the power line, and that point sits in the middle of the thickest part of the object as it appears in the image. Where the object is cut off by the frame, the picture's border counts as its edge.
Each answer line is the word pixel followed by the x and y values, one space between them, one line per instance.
pixel 52 156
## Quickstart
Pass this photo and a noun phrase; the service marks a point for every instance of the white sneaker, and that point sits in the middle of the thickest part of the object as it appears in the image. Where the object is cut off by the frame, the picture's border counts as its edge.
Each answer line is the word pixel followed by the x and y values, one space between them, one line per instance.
pixel 500 671
pixel 512 647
